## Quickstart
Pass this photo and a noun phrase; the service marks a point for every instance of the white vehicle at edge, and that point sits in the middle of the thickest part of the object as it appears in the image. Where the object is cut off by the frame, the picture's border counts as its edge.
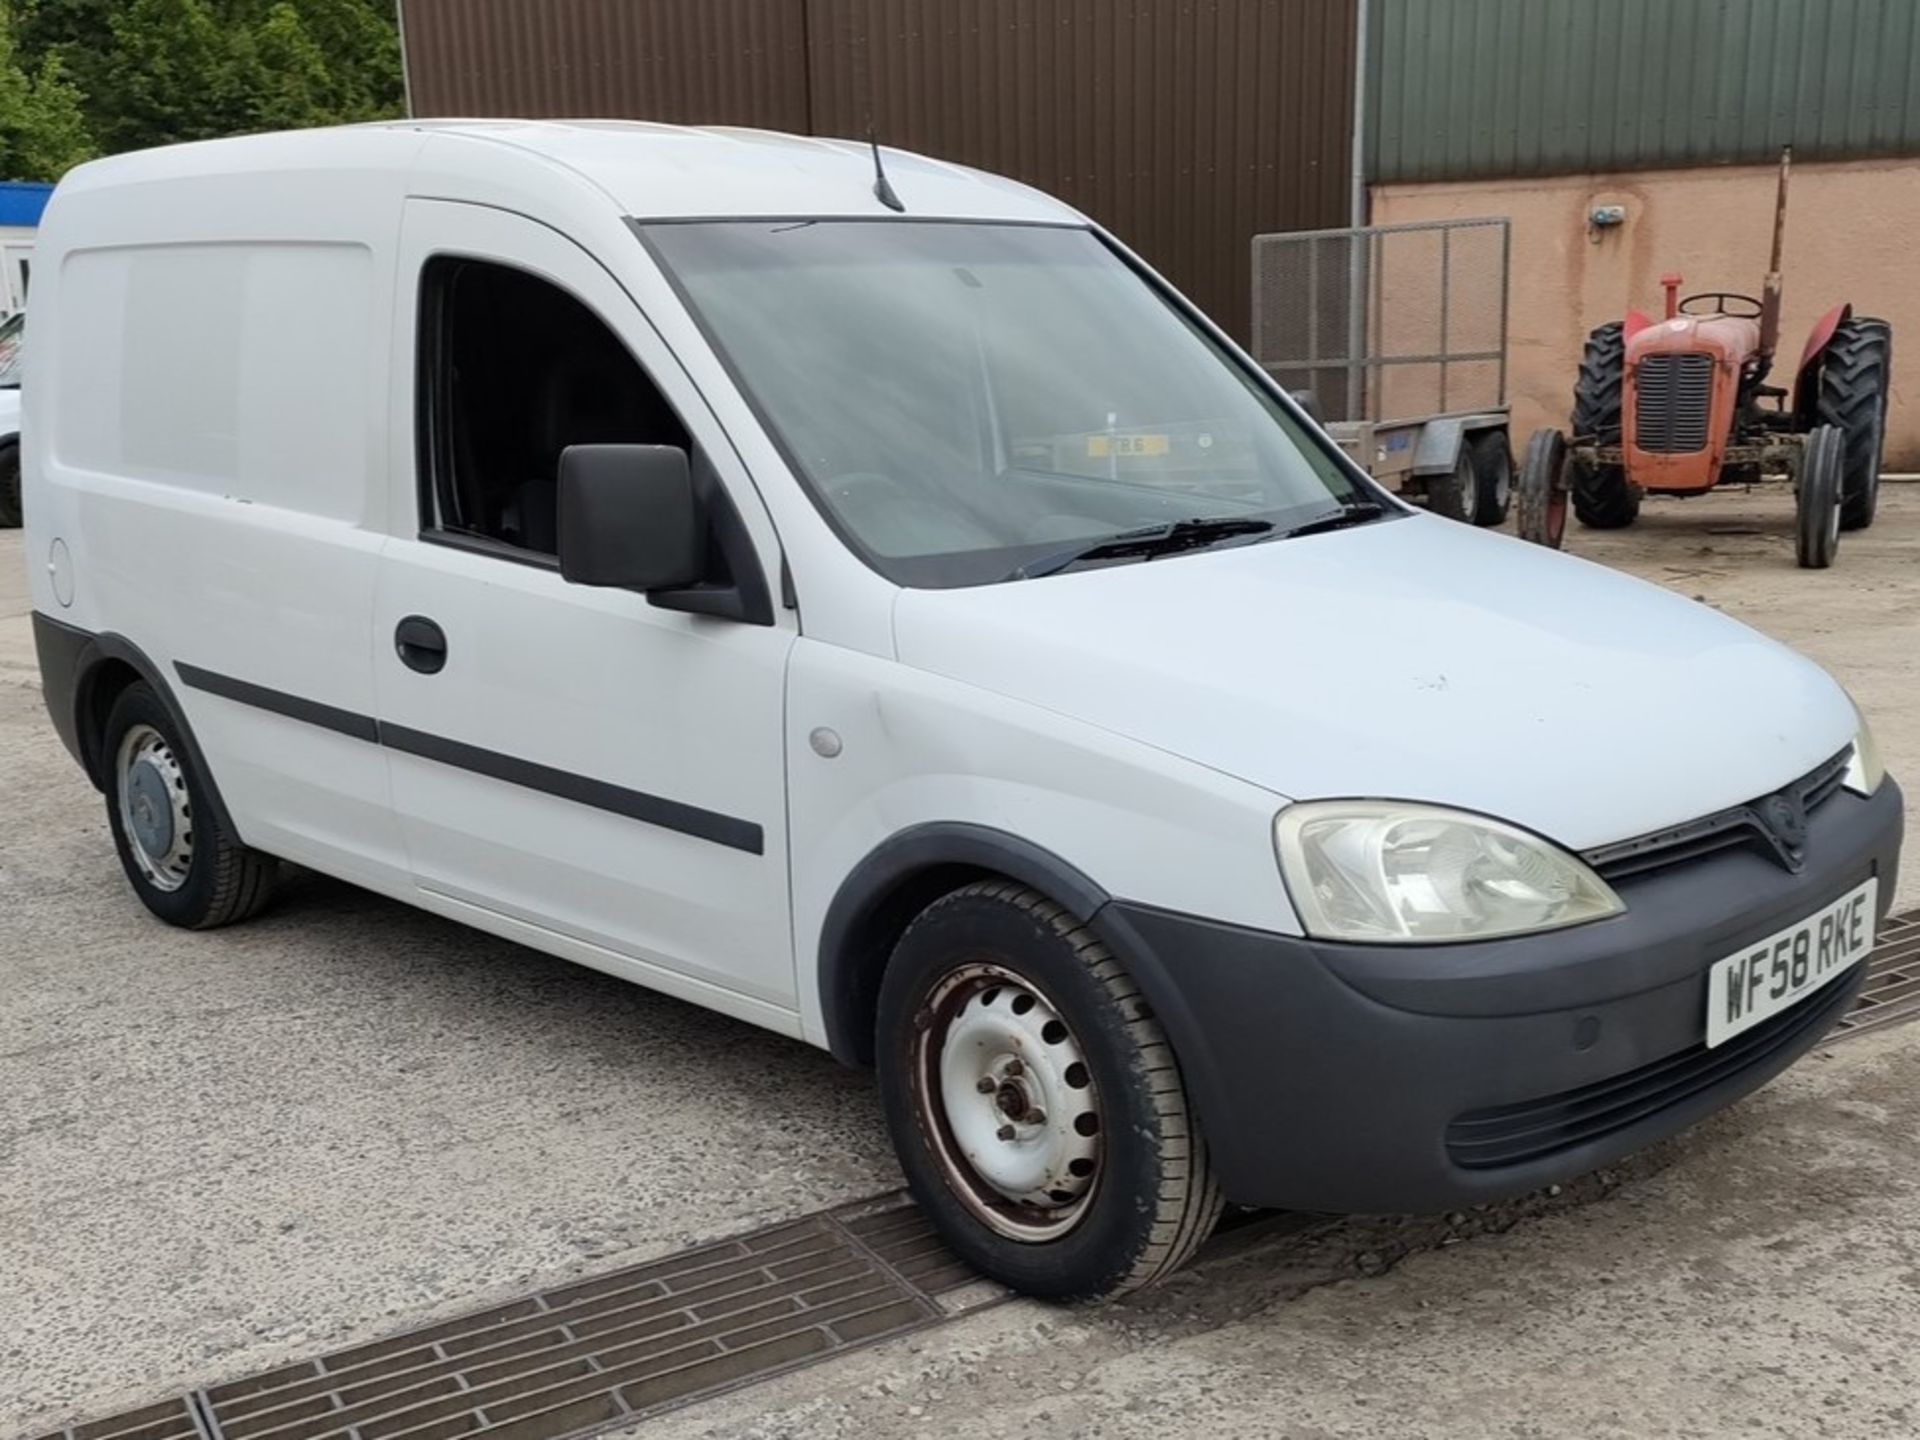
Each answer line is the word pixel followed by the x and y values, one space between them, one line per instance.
pixel 12 329
pixel 908 625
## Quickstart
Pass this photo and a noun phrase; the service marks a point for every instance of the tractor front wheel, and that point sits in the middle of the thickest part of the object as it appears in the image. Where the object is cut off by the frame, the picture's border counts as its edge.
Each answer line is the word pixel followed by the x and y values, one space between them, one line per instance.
pixel 1817 497
pixel 1855 374
pixel 1540 495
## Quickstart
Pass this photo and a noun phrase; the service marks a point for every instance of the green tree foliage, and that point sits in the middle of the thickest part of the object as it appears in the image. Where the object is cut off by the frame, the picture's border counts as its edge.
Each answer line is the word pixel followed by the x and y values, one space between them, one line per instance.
pixel 107 75
pixel 43 131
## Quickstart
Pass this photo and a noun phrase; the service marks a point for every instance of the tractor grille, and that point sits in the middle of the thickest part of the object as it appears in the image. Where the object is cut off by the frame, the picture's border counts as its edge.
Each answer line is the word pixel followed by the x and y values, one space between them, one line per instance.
pixel 1671 397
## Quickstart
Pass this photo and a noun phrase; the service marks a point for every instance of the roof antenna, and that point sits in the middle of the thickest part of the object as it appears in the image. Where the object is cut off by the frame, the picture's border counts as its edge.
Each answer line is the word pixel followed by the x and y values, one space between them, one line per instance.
pixel 882 188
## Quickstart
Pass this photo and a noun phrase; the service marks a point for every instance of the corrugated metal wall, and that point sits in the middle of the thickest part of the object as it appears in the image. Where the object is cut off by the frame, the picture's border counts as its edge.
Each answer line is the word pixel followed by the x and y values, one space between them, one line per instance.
pixel 1466 88
pixel 686 62
pixel 1186 126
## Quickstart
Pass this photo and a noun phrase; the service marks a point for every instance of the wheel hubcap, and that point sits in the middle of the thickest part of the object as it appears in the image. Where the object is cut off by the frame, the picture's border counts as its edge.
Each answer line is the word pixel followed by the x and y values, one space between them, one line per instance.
pixel 1005 1093
pixel 155 810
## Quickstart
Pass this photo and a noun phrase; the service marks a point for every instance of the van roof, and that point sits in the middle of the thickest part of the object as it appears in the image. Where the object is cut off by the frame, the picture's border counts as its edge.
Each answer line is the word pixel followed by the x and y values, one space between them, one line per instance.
pixel 649 170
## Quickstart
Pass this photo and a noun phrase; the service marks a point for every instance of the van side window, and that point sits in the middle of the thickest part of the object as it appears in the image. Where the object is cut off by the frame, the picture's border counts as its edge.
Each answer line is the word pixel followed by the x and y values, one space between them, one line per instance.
pixel 513 370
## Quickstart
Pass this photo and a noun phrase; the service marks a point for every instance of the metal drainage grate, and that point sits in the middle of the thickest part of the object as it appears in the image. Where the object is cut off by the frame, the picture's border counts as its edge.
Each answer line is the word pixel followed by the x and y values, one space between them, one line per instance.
pixel 169 1420
pixel 604 1351
pixel 1892 991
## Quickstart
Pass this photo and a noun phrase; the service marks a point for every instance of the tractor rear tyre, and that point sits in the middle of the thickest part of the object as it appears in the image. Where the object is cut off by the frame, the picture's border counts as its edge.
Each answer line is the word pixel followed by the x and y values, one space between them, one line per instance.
pixel 1855 375
pixel 1817 497
pixel 1597 389
pixel 1540 494
pixel 1603 497
pixel 1492 476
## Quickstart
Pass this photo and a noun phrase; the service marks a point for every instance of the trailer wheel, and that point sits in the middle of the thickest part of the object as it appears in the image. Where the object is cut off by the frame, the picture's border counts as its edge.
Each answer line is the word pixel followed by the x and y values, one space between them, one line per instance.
pixel 1454 494
pixel 1540 496
pixel 1855 375
pixel 1817 497
pixel 1492 477
pixel 1597 389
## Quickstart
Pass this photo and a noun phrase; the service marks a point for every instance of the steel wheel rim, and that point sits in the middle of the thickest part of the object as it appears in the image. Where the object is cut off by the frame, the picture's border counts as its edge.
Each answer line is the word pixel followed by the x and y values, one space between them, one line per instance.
pixel 156 811
pixel 991 1053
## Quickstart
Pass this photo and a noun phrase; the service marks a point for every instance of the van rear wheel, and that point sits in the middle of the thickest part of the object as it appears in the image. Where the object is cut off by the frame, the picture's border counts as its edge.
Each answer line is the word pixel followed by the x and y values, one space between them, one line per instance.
pixel 184 863
pixel 1035 1103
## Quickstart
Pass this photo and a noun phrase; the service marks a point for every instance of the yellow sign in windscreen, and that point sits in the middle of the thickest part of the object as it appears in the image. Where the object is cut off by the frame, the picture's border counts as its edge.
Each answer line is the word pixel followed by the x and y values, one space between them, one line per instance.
pixel 1100 447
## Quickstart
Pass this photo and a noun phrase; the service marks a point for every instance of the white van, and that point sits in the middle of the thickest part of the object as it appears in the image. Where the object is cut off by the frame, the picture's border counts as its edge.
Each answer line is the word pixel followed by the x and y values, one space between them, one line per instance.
pixel 885 612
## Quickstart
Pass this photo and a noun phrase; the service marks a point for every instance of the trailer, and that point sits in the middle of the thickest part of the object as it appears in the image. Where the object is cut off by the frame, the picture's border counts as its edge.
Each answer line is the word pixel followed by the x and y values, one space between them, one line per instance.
pixel 1394 337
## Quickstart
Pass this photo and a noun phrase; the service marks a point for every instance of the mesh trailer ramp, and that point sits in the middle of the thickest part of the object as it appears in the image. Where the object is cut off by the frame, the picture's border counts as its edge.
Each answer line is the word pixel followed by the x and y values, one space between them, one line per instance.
pixel 1395 338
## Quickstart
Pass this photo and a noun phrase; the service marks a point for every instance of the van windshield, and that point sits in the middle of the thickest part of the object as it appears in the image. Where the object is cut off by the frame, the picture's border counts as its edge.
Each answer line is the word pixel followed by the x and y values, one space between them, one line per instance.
pixel 965 400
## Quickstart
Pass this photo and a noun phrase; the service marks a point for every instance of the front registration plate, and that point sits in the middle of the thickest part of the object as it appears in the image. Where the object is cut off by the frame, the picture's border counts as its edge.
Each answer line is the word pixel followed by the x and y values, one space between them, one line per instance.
pixel 1772 974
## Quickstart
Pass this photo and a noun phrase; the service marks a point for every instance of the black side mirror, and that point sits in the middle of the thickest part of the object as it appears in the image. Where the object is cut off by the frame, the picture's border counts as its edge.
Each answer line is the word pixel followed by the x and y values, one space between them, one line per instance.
pixel 629 517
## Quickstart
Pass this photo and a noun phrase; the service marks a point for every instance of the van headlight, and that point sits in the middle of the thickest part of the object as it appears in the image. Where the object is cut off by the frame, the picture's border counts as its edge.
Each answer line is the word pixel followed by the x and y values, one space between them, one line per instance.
pixel 1865 770
pixel 1386 871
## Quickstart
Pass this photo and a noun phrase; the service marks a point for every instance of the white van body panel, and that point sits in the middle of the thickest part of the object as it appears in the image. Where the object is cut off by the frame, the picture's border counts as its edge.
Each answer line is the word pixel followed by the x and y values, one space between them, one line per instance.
pixel 919 749
pixel 214 392
pixel 1415 660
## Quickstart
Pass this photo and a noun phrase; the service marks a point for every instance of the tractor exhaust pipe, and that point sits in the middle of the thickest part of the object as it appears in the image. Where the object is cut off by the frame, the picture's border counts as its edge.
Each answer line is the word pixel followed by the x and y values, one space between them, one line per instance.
pixel 1770 291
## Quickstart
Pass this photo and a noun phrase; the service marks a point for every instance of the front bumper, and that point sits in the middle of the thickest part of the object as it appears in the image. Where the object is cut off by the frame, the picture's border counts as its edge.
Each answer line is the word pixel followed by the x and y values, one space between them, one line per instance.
pixel 1358 1078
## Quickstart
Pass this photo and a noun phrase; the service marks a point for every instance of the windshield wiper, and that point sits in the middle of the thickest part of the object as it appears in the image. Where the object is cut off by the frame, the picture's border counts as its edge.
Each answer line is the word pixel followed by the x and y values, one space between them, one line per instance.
pixel 1353 512
pixel 1152 540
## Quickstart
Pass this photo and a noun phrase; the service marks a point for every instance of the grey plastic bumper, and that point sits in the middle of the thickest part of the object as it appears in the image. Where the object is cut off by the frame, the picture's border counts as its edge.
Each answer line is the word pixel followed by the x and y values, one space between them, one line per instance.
pixel 1336 1077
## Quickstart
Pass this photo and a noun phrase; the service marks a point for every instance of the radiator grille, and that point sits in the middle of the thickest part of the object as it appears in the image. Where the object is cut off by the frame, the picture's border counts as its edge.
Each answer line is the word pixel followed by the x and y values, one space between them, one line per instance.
pixel 1736 826
pixel 1671 397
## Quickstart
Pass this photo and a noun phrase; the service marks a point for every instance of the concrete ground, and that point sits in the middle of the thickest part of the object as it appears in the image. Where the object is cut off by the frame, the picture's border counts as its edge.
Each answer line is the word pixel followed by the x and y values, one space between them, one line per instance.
pixel 223 1152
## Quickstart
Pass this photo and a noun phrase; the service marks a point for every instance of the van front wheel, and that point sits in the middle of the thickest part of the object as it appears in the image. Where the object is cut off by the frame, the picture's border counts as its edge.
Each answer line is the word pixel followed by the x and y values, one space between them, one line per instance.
pixel 186 866
pixel 1035 1103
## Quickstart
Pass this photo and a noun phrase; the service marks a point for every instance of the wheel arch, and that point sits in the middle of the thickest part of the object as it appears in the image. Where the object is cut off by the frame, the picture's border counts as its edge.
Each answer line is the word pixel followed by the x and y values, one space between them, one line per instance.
pixel 104 666
pixel 898 879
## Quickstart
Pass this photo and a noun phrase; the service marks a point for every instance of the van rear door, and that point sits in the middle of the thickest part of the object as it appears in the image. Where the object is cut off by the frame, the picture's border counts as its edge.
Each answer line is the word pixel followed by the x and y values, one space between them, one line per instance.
pixel 575 762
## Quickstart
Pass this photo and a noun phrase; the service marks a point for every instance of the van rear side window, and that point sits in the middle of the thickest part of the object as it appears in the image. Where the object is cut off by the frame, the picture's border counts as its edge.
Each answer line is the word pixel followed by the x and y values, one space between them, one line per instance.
pixel 513 370
pixel 239 370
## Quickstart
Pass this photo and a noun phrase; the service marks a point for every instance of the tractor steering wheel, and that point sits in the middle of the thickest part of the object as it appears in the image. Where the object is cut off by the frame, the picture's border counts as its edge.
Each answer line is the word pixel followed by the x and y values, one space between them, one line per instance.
pixel 1750 310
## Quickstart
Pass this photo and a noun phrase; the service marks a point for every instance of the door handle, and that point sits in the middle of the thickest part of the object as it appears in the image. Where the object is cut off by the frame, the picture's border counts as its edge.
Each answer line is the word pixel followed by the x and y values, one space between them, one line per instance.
pixel 421 644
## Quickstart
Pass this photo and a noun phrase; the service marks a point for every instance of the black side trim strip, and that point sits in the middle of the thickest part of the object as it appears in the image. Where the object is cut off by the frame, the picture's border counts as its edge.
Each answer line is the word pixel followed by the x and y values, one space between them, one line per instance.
pixel 634 804
pixel 734 833
pixel 294 707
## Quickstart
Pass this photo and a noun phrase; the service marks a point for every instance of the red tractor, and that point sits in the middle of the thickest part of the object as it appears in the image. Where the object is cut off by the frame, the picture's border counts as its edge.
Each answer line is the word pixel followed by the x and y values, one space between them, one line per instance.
pixel 1679 405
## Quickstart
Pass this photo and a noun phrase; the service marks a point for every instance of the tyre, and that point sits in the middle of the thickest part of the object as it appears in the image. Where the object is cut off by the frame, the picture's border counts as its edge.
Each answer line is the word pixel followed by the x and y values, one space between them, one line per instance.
pixel 1856 373
pixel 1492 477
pixel 1035 1103
pixel 186 866
pixel 1452 495
pixel 1540 494
pixel 11 513
pixel 1603 497
pixel 1817 497
pixel 1596 389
